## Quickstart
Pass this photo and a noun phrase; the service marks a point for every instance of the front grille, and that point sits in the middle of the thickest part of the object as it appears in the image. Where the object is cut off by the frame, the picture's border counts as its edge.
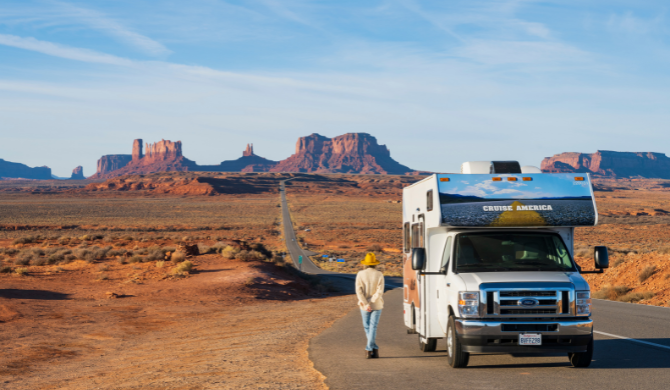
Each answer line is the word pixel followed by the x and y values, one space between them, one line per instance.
pixel 529 327
pixel 527 294
pixel 527 311
pixel 501 299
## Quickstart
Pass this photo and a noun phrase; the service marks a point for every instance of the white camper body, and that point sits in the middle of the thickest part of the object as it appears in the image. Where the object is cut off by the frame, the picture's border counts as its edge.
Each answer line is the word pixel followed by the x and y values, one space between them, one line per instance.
pixel 488 264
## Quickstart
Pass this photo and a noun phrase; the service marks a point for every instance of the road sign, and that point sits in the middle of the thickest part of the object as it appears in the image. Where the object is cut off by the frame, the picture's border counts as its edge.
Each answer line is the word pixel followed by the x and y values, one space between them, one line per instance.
pixel 299 259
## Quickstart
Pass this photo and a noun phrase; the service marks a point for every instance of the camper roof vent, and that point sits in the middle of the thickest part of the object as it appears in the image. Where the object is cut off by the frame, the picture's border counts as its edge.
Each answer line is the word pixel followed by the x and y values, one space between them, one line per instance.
pixel 486 167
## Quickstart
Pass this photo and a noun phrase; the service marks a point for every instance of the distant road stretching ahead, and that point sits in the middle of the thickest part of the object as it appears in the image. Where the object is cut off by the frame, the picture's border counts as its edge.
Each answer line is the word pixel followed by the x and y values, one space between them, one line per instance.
pixel 295 250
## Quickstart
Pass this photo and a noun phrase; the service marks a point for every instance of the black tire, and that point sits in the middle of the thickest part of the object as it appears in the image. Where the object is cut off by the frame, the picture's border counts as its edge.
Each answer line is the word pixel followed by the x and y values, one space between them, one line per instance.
pixel 429 346
pixel 456 357
pixel 582 359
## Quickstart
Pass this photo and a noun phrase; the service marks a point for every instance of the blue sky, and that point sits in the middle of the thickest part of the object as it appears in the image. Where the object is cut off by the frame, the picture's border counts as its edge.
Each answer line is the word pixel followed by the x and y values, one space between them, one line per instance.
pixel 541 186
pixel 438 82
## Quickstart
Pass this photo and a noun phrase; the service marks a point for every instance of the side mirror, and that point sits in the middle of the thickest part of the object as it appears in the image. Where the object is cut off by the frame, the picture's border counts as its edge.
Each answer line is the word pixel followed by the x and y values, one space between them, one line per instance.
pixel 418 258
pixel 601 257
pixel 443 270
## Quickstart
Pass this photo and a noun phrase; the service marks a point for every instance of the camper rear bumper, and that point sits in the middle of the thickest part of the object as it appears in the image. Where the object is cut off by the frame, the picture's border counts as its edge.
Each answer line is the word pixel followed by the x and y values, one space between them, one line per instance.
pixel 502 337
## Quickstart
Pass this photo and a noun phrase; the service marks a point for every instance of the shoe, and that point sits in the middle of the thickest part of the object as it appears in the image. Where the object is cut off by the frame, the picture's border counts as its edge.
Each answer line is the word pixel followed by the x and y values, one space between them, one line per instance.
pixel 375 353
pixel 369 354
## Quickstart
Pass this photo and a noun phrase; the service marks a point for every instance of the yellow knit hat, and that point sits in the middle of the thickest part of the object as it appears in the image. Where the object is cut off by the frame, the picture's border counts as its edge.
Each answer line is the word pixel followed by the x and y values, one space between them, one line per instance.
pixel 370 259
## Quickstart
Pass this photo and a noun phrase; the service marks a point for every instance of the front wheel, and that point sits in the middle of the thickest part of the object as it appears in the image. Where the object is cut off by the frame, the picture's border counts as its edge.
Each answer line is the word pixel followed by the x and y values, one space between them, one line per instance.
pixel 429 346
pixel 582 359
pixel 457 358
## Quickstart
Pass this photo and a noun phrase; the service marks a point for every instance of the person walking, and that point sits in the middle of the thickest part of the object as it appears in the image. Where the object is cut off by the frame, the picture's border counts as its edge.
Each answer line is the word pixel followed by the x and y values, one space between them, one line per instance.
pixel 369 290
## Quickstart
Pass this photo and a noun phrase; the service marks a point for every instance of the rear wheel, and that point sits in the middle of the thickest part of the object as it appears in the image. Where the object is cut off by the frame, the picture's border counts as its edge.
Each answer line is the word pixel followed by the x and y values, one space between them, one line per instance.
pixel 429 346
pixel 457 358
pixel 582 359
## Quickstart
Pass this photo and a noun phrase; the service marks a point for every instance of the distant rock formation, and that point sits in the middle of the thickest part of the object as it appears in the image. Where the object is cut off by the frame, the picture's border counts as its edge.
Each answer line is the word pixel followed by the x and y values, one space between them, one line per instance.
pixel 611 164
pixel 249 162
pixel 348 153
pixel 21 171
pixel 78 173
pixel 162 156
pixel 111 163
pixel 137 150
pixel 249 151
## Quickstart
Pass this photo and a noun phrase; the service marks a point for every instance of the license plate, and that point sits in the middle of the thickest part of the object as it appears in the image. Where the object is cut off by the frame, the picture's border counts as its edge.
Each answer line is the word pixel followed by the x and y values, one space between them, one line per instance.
pixel 530 339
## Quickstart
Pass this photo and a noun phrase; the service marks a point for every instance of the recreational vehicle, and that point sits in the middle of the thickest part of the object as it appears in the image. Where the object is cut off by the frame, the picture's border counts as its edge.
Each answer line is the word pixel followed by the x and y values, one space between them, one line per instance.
pixel 489 262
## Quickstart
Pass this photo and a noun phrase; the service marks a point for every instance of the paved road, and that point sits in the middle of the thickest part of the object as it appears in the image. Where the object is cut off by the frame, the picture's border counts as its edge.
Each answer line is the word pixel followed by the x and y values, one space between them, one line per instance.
pixel 344 281
pixel 618 364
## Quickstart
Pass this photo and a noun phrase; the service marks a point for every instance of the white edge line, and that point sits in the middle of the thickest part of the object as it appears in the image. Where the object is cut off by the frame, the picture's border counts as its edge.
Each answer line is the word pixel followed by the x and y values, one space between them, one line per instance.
pixel 633 340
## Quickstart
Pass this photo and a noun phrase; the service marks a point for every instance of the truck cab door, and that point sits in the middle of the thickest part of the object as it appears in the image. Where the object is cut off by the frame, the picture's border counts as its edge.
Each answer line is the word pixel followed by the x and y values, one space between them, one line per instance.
pixel 443 287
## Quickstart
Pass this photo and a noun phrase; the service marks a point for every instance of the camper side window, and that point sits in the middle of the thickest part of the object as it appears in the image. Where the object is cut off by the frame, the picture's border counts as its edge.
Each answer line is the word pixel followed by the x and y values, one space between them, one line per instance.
pixel 417 235
pixel 405 235
pixel 429 200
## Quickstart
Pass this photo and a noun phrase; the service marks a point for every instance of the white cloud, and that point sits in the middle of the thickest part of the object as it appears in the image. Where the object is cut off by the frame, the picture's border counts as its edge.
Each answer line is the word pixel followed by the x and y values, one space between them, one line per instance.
pixel 101 22
pixel 62 51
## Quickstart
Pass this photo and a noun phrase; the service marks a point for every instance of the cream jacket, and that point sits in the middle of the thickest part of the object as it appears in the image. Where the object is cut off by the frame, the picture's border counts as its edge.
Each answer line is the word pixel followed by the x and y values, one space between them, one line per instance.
pixel 370 289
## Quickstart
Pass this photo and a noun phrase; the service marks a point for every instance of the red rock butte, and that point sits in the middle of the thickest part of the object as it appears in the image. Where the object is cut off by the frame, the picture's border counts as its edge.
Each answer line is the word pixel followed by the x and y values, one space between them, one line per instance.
pixel 611 164
pixel 348 153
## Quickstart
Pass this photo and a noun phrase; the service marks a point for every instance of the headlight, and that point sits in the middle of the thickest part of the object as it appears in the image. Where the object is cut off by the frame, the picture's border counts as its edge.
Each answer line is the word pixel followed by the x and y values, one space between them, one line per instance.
pixel 468 304
pixel 583 303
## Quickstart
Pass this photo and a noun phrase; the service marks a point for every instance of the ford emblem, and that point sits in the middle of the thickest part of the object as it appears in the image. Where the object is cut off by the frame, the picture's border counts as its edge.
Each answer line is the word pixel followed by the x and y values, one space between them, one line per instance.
pixel 528 302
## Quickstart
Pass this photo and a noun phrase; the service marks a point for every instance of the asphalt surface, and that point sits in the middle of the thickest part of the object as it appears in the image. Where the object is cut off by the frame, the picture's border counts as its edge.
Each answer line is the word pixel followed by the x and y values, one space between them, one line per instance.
pixel 338 353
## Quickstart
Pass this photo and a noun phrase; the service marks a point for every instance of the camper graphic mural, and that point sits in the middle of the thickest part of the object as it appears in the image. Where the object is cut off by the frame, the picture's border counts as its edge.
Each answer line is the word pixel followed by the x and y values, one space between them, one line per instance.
pixel 517 200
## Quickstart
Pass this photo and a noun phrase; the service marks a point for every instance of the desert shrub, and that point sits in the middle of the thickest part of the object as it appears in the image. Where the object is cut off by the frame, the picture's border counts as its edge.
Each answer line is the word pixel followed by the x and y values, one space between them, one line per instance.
pixel 37 251
pixel 6 270
pixel 218 247
pixel 51 251
pixel 103 267
pixel 154 248
pixel 11 251
pixel 24 240
pixel 646 273
pixel 69 258
pixel 155 255
pixel 178 257
pixel 618 261
pixel 38 261
pixel 250 282
pixel 135 259
pixel 85 237
pixel 167 249
pixel 249 255
pixel 229 252
pixel 182 268
pixel 21 271
pixel 116 252
pixel 55 258
pixel 107 239
pixel 103 277
pixel 583 250
pixel 160 264
pixel 82 253
pixel 204 249
pixel 611 292
pixel 24 258
pixel 664 250
pixel 375 248
pixel 635 296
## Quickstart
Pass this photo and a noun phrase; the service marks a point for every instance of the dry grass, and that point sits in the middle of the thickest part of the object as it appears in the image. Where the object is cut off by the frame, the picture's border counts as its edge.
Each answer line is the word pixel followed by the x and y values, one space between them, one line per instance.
pixel 647 272
pixel 622 294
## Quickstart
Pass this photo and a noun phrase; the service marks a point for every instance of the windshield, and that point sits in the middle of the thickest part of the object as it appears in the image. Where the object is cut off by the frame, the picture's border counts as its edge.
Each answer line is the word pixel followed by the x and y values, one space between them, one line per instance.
pixel 488 252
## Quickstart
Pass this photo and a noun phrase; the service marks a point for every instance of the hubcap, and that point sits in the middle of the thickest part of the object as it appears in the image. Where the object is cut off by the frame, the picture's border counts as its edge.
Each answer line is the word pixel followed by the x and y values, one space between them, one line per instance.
pixel 450 342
